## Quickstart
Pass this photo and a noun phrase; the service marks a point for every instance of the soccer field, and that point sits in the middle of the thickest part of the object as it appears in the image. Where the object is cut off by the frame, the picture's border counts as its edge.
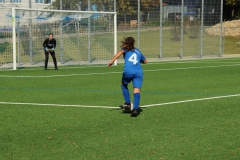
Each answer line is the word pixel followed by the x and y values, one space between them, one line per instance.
pixel 190 110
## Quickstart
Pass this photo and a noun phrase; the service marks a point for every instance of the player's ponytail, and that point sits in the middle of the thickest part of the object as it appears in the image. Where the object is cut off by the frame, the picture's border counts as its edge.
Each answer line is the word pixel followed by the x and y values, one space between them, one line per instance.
pixel 128 43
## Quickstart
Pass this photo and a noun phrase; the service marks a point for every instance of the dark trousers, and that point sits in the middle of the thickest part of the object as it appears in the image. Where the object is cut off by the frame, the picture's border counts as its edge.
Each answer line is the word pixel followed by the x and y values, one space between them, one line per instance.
pixel 53 57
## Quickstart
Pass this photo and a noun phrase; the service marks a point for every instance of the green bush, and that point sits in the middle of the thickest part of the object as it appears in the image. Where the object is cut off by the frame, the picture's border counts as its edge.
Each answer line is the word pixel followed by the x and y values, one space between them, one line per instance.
pixel 153 22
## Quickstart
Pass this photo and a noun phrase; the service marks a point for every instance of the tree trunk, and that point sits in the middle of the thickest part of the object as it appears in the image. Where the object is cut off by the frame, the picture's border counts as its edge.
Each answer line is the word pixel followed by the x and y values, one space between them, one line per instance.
pixel 232 16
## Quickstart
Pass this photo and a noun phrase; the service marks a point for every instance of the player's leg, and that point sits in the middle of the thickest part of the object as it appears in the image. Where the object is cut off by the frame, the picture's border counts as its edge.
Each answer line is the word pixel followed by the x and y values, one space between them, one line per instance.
pixel 126 95
pixel 137 84
pixel 46 59
pixel 136 96
pixel 54 59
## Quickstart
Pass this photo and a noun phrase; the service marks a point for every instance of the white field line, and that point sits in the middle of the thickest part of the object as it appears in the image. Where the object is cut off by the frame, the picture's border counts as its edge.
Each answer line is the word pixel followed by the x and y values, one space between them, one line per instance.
pixel 109 107
pixel 103 73
pixel 203 62
pixel 62 67
pixel 64 75
pixel 57 105
pixel 172 69
pixel 152 63
pixel 190 100
pixel 227 60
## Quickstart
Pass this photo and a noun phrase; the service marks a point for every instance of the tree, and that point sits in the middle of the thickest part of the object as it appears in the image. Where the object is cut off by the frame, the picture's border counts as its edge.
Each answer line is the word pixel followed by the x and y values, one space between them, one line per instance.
pixel 67 5
pixel 235 10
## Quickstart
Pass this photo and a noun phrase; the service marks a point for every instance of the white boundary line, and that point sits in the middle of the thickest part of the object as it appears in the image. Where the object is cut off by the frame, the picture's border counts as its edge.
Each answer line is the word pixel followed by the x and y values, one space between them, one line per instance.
pixel 109 107
pixel 190 100
pixel 152 63
pixel 172 69
pixel 57 105
pixel 230 60
pixel 103 73
pixel 37 68
pixel 64 75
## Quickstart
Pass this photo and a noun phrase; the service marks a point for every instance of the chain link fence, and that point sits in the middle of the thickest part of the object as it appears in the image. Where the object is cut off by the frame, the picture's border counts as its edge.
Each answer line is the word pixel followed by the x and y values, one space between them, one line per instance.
pixel 174 28
pixel 162 29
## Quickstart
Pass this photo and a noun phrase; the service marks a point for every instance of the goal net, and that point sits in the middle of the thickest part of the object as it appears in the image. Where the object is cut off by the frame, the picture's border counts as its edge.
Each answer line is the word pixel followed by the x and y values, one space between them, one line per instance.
pixel 83 37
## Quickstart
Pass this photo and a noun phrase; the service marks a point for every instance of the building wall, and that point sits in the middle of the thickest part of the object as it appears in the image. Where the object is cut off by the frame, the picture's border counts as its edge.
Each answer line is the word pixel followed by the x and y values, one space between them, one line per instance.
pixel 23 4
pixel 5 9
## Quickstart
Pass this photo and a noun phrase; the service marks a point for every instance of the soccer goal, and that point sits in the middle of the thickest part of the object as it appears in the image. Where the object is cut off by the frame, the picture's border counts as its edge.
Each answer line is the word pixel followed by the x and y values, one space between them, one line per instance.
pixel 83 37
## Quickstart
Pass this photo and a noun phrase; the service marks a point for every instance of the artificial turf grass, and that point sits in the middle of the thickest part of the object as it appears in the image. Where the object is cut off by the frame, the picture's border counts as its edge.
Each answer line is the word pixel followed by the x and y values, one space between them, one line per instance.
pixel 194 130
pixel 158 86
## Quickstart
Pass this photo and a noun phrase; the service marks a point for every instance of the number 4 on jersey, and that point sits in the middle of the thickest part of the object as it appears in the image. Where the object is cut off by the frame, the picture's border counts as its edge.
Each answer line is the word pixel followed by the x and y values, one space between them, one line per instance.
pixel 133 58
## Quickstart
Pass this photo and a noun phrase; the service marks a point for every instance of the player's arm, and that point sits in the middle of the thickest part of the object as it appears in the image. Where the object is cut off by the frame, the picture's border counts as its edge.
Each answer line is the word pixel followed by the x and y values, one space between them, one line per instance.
pixel 144 61
pixel 116 57
pixel 44 43
pixel 55 44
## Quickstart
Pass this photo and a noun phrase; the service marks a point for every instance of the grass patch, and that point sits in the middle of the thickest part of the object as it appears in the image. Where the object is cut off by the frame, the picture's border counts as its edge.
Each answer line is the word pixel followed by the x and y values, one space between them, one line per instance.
pixel 194 130
pixel 231 45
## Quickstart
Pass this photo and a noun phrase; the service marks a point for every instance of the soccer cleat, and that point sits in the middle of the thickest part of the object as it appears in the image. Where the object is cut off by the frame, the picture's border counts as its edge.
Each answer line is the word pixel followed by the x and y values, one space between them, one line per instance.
pixel 126 107
pixel 134 113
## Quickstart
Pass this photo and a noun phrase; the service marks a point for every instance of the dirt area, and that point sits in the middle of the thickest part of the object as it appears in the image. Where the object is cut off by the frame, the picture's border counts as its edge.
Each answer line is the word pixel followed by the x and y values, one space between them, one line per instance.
pixel 230 29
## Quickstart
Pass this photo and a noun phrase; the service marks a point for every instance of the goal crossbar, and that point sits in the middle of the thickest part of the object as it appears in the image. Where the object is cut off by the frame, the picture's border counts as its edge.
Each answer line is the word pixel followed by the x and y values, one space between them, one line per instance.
pixel 64 11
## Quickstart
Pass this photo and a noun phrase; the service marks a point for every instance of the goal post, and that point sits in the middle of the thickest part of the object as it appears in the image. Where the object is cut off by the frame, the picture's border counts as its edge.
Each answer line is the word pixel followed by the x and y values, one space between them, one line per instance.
pixel 79 40
pixel 14 40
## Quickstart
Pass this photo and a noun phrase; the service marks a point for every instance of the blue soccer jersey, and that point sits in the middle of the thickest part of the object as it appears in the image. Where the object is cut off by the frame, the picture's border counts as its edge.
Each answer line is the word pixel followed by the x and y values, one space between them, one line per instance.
pixel 132 67
pixel 133 59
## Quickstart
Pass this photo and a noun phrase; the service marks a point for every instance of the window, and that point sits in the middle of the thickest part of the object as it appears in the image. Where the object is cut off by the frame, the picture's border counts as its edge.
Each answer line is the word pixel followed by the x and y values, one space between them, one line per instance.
pixel 43 1
pixel 15 1
pixel 2 1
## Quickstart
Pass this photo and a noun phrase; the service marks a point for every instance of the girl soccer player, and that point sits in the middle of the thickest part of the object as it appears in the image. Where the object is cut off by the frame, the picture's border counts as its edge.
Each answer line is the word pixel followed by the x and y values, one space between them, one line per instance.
pixel 49 44
pixel 132 73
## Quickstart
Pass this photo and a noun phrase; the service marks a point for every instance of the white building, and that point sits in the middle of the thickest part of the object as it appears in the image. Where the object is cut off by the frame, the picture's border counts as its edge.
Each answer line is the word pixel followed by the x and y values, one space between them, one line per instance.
pixel 38 4
pixel 5 8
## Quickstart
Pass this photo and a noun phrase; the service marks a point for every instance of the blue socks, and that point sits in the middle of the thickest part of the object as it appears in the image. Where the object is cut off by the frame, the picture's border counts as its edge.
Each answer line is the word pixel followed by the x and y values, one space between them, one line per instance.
pixel 136 100
pixel 127 99
pixel 126 94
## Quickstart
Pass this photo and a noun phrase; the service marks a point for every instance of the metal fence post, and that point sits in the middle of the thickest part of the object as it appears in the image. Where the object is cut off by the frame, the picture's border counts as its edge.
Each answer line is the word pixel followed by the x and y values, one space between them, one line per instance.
pixel 139 23
pixel 30 33
pixel 61 34
pixel 161 27
pixel 115 31
pixel 78 38
pixel 78 35
pixel 18 41
pixel 115 5
pixel 89 32
pixel 182 30
pixel 224 39
pixel 221 41
pixel 202 24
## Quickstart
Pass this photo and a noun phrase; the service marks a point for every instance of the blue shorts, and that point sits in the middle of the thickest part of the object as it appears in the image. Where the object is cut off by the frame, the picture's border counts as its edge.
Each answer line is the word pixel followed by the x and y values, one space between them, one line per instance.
pixel 136 79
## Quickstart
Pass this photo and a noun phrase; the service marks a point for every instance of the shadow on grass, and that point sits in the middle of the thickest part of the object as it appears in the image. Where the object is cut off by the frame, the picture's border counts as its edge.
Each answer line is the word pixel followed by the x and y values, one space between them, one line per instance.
pixel 129 113
pixel 139 112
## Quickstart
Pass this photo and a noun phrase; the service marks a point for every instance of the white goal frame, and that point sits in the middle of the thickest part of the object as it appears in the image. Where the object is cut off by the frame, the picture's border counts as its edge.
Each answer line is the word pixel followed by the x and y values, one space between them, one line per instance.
pixel 59 11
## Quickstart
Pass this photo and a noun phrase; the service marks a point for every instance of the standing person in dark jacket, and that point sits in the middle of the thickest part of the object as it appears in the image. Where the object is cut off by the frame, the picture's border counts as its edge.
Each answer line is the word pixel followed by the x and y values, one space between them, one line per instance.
pixel 49 45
